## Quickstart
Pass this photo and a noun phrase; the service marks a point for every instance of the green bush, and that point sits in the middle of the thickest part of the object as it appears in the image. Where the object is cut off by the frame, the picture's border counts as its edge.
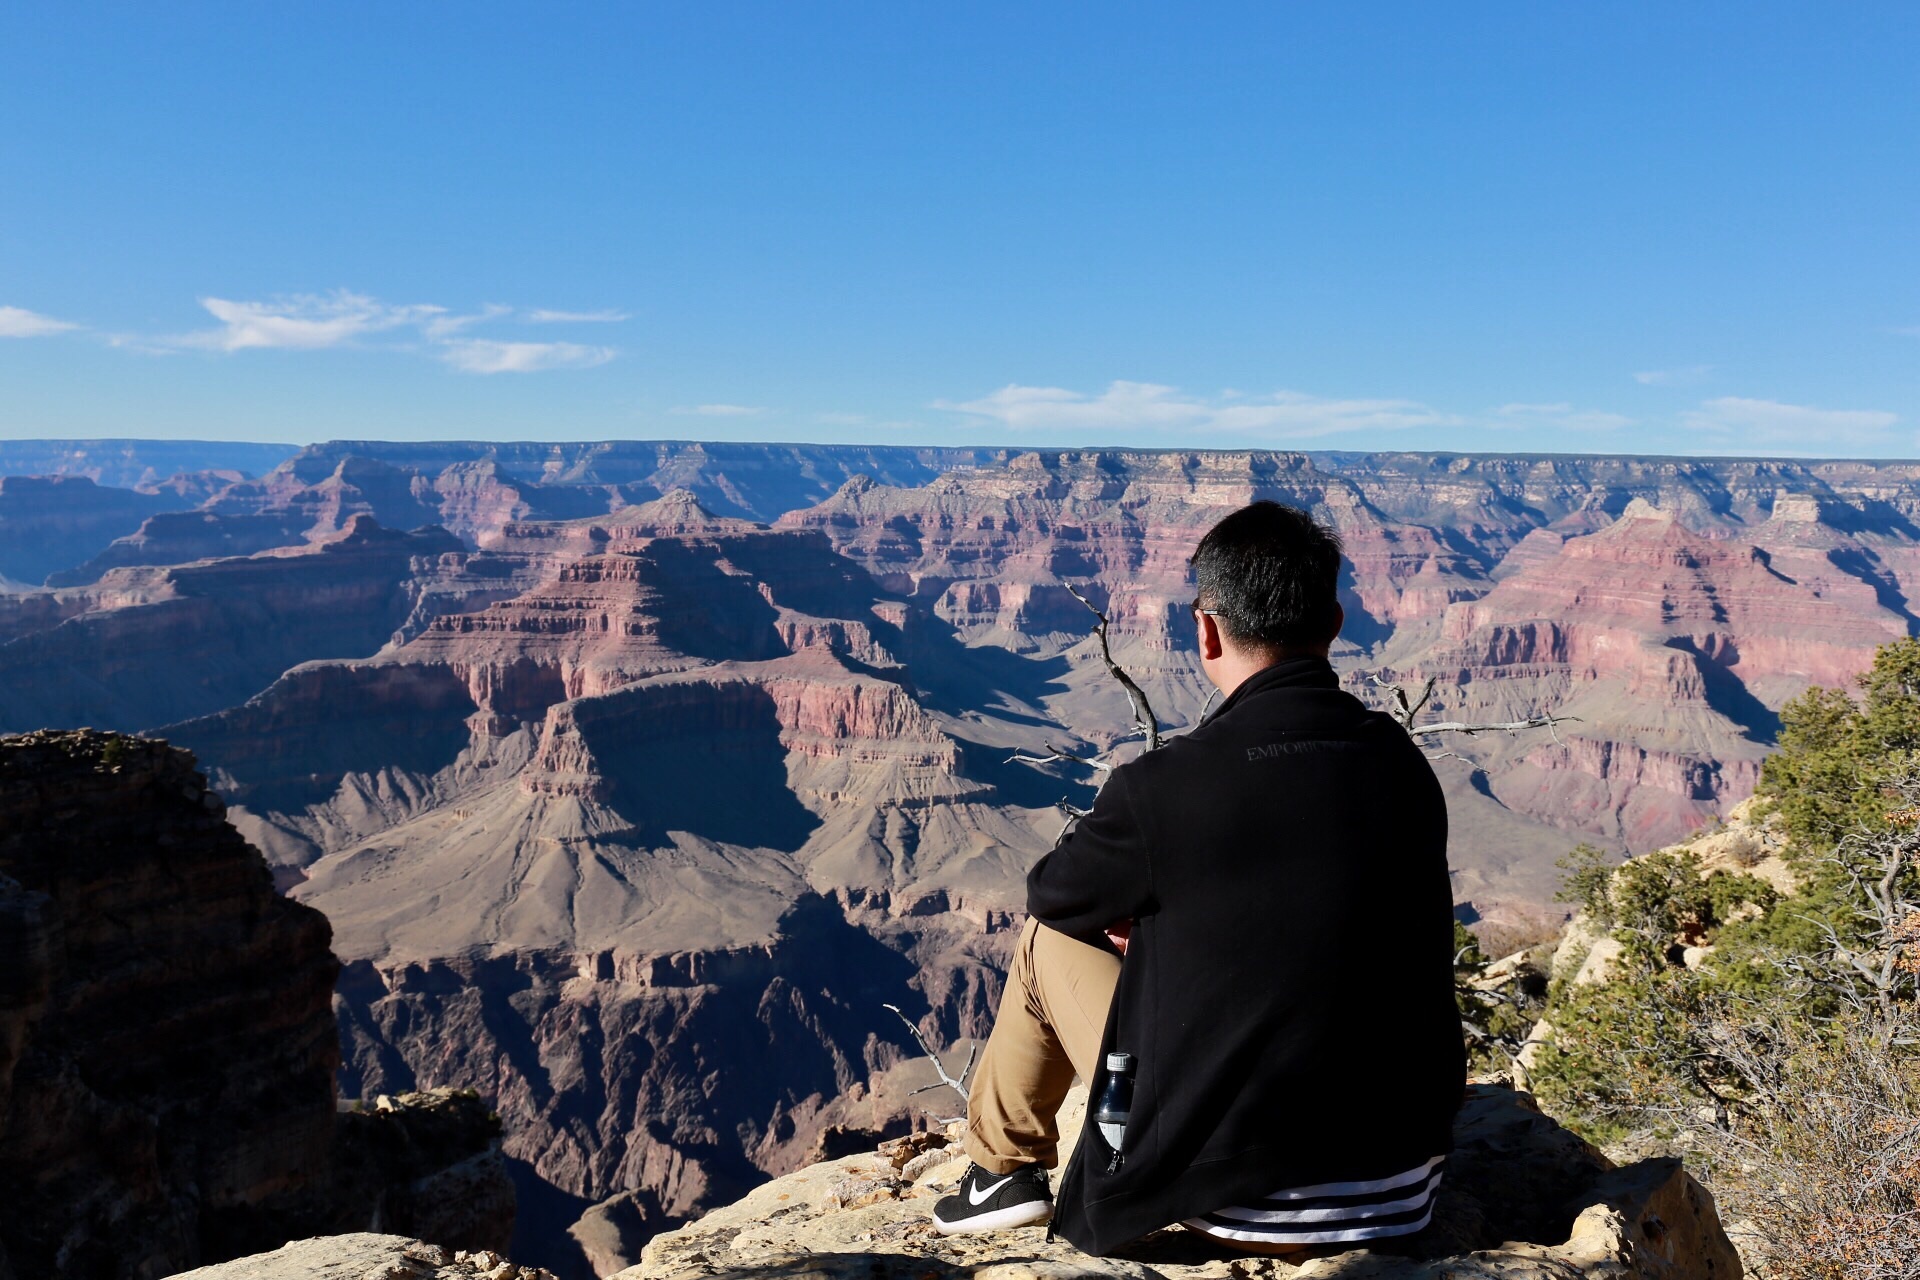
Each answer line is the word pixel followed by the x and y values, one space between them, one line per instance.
pixel 1587 872
pixel 1789 1060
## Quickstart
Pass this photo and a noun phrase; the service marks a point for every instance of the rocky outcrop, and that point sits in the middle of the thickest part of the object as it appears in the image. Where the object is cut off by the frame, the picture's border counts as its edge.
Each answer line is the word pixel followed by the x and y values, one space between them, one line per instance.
pixel 424 1164
pixel 368 1255
pixel 1523 1199
pixel 167 1042
pixel 171 1090
pixel 1749 841
pixel 355 487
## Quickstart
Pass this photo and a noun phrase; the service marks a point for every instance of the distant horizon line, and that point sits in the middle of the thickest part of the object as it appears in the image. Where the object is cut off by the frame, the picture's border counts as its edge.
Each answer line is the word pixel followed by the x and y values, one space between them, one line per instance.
pixel 1008 449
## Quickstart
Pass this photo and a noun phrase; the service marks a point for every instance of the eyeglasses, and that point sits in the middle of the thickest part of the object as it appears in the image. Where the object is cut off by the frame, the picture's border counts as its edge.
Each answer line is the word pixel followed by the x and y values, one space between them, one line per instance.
pixel 1195 606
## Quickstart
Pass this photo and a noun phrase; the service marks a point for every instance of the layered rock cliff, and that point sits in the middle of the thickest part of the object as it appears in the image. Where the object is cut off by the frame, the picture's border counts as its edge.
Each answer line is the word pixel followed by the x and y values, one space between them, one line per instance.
pixel 641 852
pixel 1672 607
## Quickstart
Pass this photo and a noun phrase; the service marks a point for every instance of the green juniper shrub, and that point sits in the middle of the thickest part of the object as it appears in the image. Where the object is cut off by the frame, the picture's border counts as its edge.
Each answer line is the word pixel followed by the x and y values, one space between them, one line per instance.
pixel 1623 1054
pixel 1588 873
pixel 1788 1059
pixel 1836 754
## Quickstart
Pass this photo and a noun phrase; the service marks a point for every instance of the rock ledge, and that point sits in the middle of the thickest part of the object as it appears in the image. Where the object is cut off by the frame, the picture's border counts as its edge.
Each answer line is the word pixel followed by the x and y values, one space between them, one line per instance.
pixel 1524 1200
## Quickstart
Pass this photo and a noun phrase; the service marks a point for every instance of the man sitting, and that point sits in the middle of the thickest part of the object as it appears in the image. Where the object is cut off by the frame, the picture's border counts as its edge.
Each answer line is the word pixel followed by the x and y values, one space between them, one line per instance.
pixel 1277 880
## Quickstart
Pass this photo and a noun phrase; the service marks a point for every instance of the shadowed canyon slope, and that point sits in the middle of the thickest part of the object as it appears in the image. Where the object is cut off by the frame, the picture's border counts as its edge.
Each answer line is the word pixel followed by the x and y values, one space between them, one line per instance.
pixel 634 778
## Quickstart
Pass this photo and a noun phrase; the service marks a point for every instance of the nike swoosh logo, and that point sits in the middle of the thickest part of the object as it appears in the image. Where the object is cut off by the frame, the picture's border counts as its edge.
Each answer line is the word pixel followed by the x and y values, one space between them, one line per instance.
pixel 978 1196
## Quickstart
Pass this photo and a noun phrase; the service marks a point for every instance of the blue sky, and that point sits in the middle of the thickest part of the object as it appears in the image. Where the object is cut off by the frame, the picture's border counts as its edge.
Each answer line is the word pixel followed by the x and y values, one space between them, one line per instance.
pixel 1616 228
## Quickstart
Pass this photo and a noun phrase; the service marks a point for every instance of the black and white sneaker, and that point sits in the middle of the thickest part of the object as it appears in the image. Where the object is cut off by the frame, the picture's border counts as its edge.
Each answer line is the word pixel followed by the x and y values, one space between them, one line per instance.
pixel 995 1201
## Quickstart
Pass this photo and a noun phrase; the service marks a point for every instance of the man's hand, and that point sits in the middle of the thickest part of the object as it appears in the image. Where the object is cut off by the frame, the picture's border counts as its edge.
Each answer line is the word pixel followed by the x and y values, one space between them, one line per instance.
pixel 1118 933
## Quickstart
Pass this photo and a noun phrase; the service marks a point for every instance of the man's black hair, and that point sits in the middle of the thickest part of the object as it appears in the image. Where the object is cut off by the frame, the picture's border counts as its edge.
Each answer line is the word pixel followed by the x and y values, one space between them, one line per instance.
pixel 1271 577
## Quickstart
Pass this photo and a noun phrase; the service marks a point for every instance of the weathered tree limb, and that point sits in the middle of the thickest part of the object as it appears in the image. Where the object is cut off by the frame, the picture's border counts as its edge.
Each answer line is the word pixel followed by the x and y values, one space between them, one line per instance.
pixel 958 1086
pixel 1405 709
pixel 1143 717
pixel 1073 812
pixel 1509 726
pixel 1054 754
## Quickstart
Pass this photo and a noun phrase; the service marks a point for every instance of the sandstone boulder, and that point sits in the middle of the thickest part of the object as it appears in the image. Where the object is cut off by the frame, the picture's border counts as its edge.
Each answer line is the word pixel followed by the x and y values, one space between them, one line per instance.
pixel 367 1256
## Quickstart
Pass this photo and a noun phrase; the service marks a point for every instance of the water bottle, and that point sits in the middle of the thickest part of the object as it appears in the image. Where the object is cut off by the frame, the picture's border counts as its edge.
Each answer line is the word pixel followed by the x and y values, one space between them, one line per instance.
pixel 1116 1099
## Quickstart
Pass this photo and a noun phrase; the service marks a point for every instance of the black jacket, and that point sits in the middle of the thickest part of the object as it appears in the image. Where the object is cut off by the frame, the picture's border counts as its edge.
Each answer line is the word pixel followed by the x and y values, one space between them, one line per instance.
pixel 1288 988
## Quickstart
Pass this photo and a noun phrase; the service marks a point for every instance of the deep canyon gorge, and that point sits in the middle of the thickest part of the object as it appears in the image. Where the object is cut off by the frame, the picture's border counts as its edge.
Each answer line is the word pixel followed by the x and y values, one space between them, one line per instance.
pixel 634 778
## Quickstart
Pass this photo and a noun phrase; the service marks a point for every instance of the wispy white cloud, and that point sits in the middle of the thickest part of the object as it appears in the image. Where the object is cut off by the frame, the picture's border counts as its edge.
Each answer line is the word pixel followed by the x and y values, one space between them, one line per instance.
pixel 446 324
pixel 18 322
pixel 1803 428
pixel 302 322
pixel 1146 405
pixel 718 410
pixel 1690 375
pixel 608 316
pixel 343 318
pixel 482 355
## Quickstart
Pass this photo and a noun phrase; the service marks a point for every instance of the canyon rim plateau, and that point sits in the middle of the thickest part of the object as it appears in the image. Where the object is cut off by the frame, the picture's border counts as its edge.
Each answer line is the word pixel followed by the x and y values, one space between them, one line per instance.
pixel 635 778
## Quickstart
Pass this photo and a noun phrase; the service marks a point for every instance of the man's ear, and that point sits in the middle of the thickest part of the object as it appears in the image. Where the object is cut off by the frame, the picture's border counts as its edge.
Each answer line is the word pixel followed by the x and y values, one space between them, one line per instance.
pixel 1211 644
pixel 1339 621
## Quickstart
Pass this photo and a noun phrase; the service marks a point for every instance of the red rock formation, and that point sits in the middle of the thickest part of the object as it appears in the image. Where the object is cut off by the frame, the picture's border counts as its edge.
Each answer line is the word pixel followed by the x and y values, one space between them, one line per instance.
pixel 609 794
pixel 1675 650
pixel 992 550
pixel 356 486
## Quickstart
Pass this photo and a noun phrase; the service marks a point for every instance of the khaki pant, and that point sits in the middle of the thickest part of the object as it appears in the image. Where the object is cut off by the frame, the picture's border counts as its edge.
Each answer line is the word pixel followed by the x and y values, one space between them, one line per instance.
pixel 1048 1030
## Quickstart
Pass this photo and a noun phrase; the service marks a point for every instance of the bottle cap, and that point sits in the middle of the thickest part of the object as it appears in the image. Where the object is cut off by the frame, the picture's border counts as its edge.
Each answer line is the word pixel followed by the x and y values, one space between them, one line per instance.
pixel 1119 1063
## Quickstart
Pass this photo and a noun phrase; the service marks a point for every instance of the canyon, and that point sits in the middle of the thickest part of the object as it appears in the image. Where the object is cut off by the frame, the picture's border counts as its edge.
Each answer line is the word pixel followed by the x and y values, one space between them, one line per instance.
pixel 635 778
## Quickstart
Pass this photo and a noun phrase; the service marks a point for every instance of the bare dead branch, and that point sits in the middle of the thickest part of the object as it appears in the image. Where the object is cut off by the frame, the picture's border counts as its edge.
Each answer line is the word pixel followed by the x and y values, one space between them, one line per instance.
pixel 1055 754
pixel 958 1086
pixel 1143 716
pixel 1073 814
pixel 1405 709
pixel 1510 726
pixel 1455 755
